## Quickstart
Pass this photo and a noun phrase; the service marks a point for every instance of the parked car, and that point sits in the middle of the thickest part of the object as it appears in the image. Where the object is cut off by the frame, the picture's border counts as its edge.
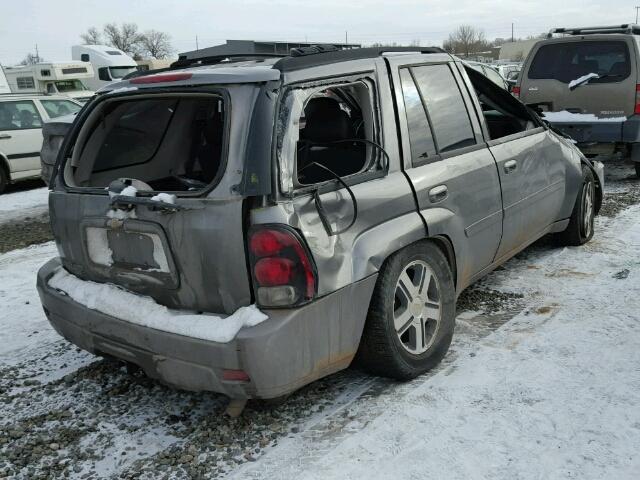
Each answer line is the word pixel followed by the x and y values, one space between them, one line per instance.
pixel 350 195
pixel 490 72
pixel 507 70
pixel 586 83
pixel 21 119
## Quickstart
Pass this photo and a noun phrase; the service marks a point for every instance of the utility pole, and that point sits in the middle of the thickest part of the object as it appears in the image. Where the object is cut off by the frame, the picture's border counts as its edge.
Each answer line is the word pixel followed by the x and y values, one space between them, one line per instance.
pixel 197 47
pixel 512 31
pixel 37 54
pixel 637 8
pixel 346 37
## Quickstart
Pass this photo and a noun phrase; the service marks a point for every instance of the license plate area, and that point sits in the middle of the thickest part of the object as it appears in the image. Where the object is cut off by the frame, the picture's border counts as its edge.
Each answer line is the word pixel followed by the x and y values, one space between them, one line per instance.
pixel 131 253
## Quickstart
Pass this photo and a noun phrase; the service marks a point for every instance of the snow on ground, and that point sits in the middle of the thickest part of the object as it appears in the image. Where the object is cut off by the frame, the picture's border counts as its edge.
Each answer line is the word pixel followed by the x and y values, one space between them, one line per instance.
pixel 541 387
pixel 554 393
pixel 22 321
pixel 24 203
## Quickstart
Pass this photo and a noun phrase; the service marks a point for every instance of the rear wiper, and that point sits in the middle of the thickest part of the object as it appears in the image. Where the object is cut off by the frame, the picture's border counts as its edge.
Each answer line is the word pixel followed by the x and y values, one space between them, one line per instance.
pixel 126 202
pixel 596 77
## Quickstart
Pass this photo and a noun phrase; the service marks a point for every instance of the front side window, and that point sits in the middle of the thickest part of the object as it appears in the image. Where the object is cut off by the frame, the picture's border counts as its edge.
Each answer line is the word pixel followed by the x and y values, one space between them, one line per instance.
pixel 494 76
pixel 70 86
pixel 420 136
pixel 21 115
pixel 103 74
pixel 445 106
pixel 571 60
pixel 58 108
pixel 503 114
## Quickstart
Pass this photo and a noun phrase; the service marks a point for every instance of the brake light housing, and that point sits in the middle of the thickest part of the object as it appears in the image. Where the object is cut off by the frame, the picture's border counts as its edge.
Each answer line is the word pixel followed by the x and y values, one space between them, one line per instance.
pixel 161 78
pixel 283 271
pixel 515 91
pixel 636 110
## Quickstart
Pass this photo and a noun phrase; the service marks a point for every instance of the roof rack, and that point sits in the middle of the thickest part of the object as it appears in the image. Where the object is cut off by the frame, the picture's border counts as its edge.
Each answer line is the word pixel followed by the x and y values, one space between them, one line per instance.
pixel 629 28
pixel 184 61
pixel 323 55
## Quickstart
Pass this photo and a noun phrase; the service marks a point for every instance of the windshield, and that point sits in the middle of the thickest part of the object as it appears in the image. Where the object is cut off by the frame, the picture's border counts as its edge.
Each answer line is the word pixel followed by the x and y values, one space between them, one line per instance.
pixel 572 60
pixel 120 72
pixel 69 86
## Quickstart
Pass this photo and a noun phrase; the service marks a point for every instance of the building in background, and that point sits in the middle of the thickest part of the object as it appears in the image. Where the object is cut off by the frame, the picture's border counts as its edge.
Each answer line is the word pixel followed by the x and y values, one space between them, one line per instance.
pixel 239 47
pixel 517 51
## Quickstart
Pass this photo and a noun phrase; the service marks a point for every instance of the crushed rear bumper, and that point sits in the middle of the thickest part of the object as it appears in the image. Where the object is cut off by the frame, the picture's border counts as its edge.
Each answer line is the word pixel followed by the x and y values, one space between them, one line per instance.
pixel 292 348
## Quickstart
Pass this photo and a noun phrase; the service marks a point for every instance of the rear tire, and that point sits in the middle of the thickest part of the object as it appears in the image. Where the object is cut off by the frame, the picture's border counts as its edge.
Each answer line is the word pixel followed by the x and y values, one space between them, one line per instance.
pixel 580 228
pixel 637 165
pixel 4 180
pixel 402 337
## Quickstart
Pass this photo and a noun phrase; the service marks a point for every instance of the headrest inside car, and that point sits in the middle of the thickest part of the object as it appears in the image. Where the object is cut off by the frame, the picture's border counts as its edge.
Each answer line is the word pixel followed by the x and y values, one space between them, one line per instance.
pixel 326 121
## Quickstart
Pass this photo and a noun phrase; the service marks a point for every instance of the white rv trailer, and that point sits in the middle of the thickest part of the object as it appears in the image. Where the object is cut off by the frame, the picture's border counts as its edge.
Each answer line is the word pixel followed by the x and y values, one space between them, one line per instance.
pixel 63 78
pixel 4 85
pixel 153 64
pixel 109 63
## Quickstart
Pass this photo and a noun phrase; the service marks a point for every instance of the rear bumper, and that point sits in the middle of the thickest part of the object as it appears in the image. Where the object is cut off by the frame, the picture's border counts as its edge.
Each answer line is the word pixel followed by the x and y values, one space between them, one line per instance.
pixel 602 132
pixel 292 348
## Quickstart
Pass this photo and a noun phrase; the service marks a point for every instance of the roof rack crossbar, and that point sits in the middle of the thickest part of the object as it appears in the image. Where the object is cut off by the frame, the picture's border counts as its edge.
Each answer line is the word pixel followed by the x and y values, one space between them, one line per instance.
pixel 324 56
pixel 629 28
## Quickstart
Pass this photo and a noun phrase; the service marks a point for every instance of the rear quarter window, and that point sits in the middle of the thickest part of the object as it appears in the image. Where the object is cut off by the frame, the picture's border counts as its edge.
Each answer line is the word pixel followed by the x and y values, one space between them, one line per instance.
pixel 571 60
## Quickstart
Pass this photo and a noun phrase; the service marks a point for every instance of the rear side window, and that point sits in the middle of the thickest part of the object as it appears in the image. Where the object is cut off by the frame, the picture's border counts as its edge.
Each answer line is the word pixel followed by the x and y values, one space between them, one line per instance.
pixel 445 106
pixel 420 137
pixel 569 61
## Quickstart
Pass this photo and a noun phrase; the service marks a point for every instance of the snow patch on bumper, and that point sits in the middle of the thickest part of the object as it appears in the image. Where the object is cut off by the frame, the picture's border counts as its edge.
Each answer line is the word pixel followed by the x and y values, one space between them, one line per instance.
pixel 140 310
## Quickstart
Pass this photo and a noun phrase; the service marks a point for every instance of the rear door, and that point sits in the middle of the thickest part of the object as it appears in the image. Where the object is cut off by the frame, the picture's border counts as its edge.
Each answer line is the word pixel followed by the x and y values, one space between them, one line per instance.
pixel 451 169
pixel 554 65
pixel 20 135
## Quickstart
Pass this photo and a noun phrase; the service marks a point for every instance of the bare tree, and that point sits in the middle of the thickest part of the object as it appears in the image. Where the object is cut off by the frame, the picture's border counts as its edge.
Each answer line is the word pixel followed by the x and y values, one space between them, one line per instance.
pixel 466 39
pixel 31 59
pixel 91 37
pixel 125 37
pixel 156 44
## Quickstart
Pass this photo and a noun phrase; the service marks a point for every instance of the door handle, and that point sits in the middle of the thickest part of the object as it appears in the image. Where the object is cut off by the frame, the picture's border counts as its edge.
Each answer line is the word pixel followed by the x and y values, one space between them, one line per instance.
pixel 4 135
pixel 510 166
pixel 438 194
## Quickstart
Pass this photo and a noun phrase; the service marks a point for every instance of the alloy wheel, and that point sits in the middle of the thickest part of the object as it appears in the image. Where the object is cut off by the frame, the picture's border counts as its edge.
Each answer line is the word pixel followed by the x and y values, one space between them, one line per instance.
pixel 417 308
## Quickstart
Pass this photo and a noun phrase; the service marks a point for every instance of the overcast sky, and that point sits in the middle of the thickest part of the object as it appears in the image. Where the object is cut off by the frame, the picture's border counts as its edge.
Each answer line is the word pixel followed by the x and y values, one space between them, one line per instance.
pixel 55 26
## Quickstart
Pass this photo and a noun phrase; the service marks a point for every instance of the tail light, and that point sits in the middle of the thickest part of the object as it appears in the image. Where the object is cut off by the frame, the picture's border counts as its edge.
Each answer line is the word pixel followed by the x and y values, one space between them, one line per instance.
pixel 637 109
pixel 515 91
pixel 283 271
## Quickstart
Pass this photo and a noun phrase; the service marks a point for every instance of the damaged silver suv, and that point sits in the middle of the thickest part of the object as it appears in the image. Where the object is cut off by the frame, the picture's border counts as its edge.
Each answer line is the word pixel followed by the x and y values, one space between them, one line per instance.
pixel 248 225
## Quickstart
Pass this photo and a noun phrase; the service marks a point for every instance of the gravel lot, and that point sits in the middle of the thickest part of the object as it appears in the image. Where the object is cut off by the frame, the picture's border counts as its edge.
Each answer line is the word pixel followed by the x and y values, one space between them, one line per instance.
pixel 65 413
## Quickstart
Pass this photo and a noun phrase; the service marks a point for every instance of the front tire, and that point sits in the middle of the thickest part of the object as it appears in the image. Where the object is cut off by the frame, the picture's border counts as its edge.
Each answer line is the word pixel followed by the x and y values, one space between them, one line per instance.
pixel 580 228
pixel 4 180
pixel 412 314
